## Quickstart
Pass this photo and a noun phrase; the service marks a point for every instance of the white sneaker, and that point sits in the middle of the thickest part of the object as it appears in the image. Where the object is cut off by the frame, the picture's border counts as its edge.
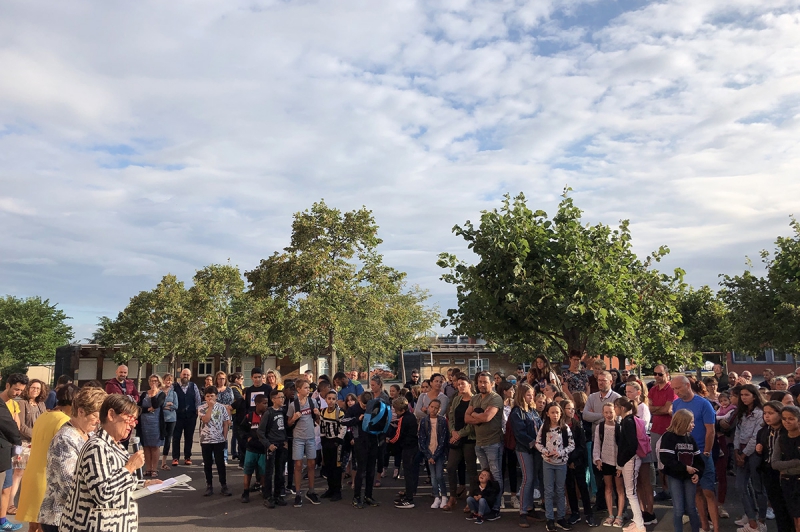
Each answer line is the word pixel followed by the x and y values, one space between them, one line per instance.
pixel 723 513
pixel 436 503
pixel 515 502
pixel 502 501
pixel 762 527
pixel 770 513
pixel 742 521
pixel 536 493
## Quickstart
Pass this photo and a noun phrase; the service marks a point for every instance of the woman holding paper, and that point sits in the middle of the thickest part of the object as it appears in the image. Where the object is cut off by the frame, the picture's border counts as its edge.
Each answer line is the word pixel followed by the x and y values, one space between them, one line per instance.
pixel 105 474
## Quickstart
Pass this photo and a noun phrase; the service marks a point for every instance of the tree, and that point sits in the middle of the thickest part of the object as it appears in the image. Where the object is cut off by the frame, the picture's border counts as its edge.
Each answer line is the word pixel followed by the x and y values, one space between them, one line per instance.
pixel 540 282
pixel 30 331
pixel 704 320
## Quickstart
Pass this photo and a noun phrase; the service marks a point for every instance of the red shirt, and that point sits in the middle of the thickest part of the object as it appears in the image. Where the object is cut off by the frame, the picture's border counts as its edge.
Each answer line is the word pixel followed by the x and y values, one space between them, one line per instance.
pixel 660 398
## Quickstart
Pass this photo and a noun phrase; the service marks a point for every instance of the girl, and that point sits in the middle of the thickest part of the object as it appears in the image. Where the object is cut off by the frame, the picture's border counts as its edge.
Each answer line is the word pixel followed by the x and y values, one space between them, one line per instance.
pixel 749 420
pixel 485 498
pixel 627 460
pixel 576 468
pixel 638 396
pixel 680 456
pixel 540 374
pixel 786 460
pixel 170 417
pixel 604 454
pixel 523 426
pixel 767 439
pixel 433 436
pixel 394 393
pixel 366 451
pixel 348 456
pixel 555 442
pixel 509 462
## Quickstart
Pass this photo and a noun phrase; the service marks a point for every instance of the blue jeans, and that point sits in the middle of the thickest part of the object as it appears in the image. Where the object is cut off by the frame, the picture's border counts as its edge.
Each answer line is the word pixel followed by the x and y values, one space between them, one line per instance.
pixel 478 507
pixel 683 492
pixel 555 478
pixel 491 458
pixel 438 484
pixel 748 484
pixel 525 460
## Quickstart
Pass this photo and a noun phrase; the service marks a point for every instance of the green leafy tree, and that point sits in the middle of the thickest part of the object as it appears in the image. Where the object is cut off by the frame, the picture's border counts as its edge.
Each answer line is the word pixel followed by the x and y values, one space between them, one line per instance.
pixel 30 331
pixel 559 283
pixel 704 320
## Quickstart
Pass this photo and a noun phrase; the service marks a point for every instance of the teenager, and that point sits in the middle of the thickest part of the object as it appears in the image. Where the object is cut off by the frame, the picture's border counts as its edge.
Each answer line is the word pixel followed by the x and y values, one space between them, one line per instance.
pixel 749 420
pixel 303 415
pixel 540 374
pixel 786 460
pixel 214 424
pixel 349 458
pixel 255 459
pixel 403 433
pixel 683 464
pixel 333 434
pixel 555 442
pixel 433 436
pixel 627 459
pixel 604 453
pixel 272 435
pixel 576 468
pixel 365 446
pixel 523 424
pixel 482 501
pixel 637 394
pixel 506 391
pixel 767 440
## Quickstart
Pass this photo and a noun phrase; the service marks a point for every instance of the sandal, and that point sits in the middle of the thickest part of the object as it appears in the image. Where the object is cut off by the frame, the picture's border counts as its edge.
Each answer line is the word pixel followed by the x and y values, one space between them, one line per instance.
pixel 12 510
pixel 461 492
pixel 153 474
pixel 377 484
pixel 608 521
pixel 165 467
pixel 618 522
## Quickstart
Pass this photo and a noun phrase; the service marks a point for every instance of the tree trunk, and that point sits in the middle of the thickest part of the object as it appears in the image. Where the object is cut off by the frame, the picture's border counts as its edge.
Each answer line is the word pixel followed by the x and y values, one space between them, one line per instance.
pixel 332 352
pixel 228 356
pixel 138 374
pixel 403 366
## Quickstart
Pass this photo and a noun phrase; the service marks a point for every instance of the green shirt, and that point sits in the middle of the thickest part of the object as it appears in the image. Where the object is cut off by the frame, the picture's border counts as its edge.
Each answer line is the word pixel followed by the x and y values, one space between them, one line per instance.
pixel 491 431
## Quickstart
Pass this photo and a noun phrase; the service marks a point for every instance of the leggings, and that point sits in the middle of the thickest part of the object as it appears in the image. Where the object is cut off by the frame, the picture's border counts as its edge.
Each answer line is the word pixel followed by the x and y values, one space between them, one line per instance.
pixel 510 465
pixel 169 431
pixel 466 453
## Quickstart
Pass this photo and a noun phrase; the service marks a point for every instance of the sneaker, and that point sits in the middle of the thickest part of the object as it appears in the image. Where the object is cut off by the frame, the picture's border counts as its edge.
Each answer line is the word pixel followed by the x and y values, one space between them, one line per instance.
pixel 369 501
pixel 8 525
pixel 404 504
pixel 649 519
pixel 269 503
pixel 313 498
pixel 326 494
pixel 209 491
pixel 174 463
pixel 246 496
pixel 723 513
pixel 574 519
pixel 437 502
pixel 256 487
pixel 515 502
pixel 187 462
pixel 357 503
pixel 478 520
pixel 291 491
pixel 662 496
pixel 523 521
pixel 742 521
pixel 492 516
pixel 298 501
pixel 336 497
pixel 224 491
pixel 563 524
pixel 770 513
pixel 536 494
pixel 633 527
pixel 762 527
pixel 550 526
pixel 502 502
pixel 471 516
pixel 591 521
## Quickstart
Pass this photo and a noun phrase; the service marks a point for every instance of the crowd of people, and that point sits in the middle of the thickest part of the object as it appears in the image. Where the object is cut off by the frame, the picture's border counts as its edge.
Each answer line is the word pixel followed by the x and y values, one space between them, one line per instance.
pixel 542 441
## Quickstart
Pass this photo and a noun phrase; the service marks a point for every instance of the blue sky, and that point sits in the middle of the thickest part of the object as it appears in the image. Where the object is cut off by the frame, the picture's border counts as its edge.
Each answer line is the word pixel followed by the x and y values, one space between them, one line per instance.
pixel 147 138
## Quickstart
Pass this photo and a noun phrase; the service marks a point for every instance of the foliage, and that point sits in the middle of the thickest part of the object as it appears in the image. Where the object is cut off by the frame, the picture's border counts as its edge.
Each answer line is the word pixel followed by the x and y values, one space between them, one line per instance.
pixel 705 320
pixel 541 283
pixel 30 331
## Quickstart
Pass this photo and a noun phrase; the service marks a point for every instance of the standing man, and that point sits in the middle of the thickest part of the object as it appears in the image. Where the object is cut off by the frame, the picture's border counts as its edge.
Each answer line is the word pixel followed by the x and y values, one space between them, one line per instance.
pixel 703 433
pixel 9 431
pixel 122 385
pixel 593 413
pixel 722 378
pixel 575 379
pixel 413 380
pixel 485 411
pixel 346 385
pixel 660 400
pixel 189 401
pixel 768 375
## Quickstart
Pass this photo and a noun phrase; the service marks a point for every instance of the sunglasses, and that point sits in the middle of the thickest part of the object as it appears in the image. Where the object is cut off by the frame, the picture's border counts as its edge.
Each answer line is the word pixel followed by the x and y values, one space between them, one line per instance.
pixel 658 374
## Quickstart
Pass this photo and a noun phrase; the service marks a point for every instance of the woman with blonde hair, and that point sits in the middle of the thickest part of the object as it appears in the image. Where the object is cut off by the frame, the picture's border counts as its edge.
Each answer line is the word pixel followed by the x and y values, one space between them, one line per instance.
pixel 524 424
pixel 274 379
pixel 638 396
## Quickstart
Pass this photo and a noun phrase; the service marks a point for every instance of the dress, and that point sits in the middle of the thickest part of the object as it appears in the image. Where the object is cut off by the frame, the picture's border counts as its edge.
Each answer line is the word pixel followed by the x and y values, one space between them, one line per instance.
pixel 34 480
pixel 151 432
pixel 62 456
pixel 102 501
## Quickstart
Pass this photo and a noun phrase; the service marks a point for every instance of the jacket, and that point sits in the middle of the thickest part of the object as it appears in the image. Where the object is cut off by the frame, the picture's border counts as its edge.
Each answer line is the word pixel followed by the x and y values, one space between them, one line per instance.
pixel 674 453
pixel 490 492
pixel 9 436
pixel 28 414
pixel 129 388
pixel 746 430
pixel 442 437
pixel 468 431
pixel 578 454
pixel 626 439
pixel 352 418
pixel 404 434
pixel 523 425
pixel 768 440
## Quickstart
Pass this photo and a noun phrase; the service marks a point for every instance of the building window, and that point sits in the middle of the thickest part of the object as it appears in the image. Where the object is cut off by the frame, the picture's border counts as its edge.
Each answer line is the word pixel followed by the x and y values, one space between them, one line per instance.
pixel 780 357
pixel 459 361
pixel 761 356
pixel 444 361
pixel 476 365
pixel 739 357
pixel 526 366
pixel 450 340
pixel 205 367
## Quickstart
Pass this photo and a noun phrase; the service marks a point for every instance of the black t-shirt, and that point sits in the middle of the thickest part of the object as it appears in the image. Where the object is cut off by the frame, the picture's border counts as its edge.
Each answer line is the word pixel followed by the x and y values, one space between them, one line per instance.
pixel 251 392
pixel 790 447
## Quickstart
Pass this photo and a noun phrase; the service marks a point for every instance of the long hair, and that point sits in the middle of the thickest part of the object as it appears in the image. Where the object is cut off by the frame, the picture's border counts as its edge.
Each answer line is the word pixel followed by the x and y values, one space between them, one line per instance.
pixel 680 422
pixel 546 426
pixel 758 402
pixel 642 398
pixel 42 393
pixel 540 373
pixel 519 397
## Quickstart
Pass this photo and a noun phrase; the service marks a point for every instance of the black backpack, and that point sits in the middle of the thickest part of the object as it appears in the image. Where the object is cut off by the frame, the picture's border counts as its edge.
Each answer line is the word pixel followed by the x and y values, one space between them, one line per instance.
pixel 312 404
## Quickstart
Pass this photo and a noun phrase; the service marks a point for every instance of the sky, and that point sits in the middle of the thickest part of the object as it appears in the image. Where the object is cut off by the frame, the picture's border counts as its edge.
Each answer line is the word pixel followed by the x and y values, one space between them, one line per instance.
pixel 144 138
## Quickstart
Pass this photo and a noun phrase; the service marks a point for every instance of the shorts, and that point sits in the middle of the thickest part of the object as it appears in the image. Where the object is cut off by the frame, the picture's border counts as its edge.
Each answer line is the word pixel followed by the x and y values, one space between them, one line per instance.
pixel 608 470
pixel 255 463
pixel 791 494
pixel 709 479
pixel 9 480
pixel 304 449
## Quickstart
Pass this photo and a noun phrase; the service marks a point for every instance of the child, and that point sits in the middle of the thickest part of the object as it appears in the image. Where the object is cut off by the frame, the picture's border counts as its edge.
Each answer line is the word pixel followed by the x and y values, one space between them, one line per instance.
pixel 290 393
pixel 767 439
pixel 433 436
pixel 349 458
pixel 604 454
pixel 404 435
pixel 554 441
pixel 576 468
pixel 391 451
pixel 333 435
pixel 683 464
pixel 628 462
pixel 214 424
pixel 786 460
pixel 481 503
pixel 366 450
pixel 303 415
pixel 272 435
pixel 255 457
pixel 725 405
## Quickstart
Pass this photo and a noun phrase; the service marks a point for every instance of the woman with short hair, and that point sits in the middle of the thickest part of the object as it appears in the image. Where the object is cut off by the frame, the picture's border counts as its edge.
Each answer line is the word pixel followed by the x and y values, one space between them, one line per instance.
pixel 151 424
pixel 105 474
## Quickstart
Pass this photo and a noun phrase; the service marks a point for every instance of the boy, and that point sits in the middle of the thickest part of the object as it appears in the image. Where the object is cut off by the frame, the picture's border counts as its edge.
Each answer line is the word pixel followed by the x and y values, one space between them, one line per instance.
pixel 333 434
pixel 289 392
pixel 214 424
pixel 272 435
pixel 255 459
pixel 365 449
pixel 302 415
pixel 404 435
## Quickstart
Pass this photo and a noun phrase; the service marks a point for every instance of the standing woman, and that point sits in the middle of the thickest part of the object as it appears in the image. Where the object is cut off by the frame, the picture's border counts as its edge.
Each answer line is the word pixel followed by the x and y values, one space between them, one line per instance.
pixel 712 387
pixel 31 406
pixel 627 460
pixel 151 424
pixel 274 379
pixel 749 420
pixel 169 415
pixel 62 452
pixel 462 442
pixel 541 374
pixel 523 421
pixel 226 397
pixel 644 487
pixel 34 480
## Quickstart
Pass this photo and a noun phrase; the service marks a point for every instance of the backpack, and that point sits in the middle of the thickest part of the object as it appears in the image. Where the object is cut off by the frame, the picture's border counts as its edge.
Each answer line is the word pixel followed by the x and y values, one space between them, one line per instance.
pixel 377 417
pixel 643 448
pixel 509 440
pixel 312 404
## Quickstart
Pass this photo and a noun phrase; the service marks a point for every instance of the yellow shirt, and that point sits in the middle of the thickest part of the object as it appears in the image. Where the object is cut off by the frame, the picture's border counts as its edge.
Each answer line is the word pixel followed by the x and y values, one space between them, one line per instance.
pixel 13 406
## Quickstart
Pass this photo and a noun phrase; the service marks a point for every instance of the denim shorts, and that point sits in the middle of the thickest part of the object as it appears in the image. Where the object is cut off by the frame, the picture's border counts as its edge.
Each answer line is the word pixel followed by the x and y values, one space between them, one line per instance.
pixel 304 449
pixel 9 480
pixel 709 479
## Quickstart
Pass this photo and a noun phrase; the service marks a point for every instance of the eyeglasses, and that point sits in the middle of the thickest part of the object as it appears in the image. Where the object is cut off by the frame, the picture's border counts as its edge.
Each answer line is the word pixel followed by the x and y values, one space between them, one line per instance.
pixel 658 374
